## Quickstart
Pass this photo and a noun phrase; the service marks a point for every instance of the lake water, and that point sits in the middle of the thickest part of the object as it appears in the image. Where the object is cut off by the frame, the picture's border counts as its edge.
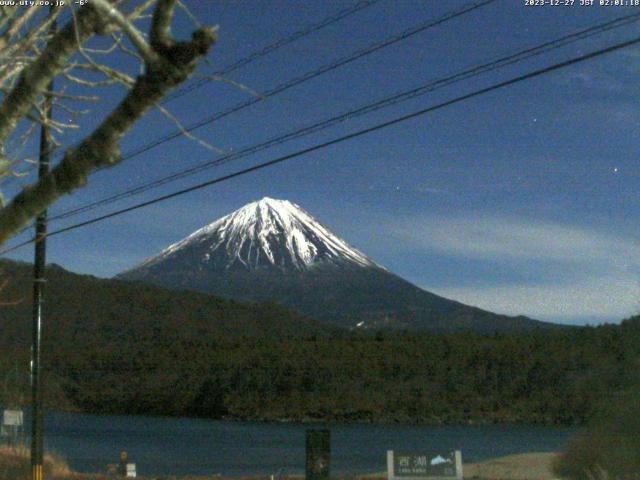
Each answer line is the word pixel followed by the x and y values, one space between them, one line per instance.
pixel 180 446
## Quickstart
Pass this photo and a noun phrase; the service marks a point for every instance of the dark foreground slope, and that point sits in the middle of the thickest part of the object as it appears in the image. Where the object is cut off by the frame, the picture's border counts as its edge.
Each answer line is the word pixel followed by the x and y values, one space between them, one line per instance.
pixel 345 296
pixel 80 306
pixel 165 361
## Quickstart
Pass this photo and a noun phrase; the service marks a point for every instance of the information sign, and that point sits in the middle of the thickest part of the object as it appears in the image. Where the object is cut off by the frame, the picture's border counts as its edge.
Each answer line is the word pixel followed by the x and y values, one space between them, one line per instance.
pixel 424 465
pixel 12 418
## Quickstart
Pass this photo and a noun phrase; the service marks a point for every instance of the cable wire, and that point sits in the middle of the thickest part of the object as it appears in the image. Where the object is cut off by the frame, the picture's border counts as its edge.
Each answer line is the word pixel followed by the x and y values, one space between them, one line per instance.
pixel 359 133
pixel 388 101
pixel 346 12
pixel 304 78
pixel 309 76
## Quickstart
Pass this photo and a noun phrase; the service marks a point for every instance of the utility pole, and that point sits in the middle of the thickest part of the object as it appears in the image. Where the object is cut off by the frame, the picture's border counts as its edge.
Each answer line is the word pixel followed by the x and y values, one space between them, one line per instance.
pixel 38 293
pixel 40 260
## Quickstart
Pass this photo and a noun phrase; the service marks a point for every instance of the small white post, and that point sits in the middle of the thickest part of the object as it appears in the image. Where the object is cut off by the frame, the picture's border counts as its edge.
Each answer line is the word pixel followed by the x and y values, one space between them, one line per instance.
pixel 459 464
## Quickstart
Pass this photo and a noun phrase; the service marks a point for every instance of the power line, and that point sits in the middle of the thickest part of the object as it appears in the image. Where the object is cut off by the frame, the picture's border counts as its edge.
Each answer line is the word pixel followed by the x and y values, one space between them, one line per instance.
pixel 313 74
pixel 310 75
pixel 359 133
pixel 325 22
pixel 307 76
pixel 344 13
pixel 388 101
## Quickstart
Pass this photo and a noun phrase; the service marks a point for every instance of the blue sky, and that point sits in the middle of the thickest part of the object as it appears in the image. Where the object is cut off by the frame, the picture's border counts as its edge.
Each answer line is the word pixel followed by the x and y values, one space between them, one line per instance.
pixel 522 201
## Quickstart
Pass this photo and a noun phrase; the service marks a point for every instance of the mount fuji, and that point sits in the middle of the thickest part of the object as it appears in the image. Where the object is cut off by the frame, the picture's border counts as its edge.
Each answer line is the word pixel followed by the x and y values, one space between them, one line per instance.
pixel 272 250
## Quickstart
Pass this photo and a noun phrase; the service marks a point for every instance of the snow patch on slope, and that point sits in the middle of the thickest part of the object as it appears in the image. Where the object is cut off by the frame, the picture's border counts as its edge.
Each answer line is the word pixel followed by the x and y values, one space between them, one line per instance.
pixel 269 231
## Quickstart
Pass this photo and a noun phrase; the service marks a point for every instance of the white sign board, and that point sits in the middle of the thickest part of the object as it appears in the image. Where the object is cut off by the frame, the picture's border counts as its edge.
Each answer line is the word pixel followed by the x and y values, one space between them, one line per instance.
pixel 12 418
pixel 424 465
pixel 131 470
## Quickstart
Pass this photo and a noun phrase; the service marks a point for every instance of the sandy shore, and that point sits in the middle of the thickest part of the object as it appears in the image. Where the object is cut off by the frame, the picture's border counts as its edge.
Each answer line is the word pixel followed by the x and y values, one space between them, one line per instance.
pixel 527 466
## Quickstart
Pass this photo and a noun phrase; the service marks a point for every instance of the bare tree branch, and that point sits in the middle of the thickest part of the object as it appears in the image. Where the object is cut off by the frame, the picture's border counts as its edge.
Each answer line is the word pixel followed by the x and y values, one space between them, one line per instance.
pixel 160 34
pixel 187 133
pixel 169 64
pixel 138 40
pixel 140 10
pixel 8 51
pixel 35 77
pixel 17 22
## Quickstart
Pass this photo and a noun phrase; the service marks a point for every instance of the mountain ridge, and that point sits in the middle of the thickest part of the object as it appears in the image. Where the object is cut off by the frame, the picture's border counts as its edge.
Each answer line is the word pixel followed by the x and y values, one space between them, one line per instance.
pixel 267 233
pixel 93 304
pixel 274 250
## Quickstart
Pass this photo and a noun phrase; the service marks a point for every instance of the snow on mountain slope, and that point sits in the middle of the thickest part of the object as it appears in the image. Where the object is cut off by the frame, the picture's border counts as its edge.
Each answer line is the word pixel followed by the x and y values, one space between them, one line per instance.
pixel 274 251
pixel 268 233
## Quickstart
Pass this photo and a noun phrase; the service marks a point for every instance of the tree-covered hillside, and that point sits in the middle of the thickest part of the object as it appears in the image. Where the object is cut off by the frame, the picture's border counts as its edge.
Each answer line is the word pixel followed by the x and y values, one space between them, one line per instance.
pixel 149 355
pixel 80 306
pixel 551 378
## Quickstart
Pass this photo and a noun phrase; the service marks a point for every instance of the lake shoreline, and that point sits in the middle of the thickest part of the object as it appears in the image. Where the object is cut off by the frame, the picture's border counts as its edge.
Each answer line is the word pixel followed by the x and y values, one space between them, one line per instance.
pixel 347 420
pixel 524 466
pixel 181 446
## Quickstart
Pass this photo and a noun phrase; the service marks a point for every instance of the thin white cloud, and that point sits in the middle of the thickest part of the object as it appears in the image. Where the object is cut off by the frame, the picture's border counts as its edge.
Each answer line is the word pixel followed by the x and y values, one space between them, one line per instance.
pixel 586 273
pixel 605 298
pixel 505 238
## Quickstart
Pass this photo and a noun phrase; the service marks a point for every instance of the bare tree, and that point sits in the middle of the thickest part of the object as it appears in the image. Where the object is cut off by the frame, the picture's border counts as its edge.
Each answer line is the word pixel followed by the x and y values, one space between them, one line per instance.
pixel 32 54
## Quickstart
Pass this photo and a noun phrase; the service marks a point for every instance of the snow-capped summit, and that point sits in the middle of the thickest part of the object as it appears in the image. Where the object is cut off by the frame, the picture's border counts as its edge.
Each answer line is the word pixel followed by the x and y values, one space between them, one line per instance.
pixel 272 250
pixel 265 234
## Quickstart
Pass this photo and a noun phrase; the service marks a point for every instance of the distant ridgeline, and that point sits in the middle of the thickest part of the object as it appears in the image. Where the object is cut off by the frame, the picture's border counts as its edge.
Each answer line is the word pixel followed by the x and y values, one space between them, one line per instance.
pixel 117 347
pixel 273 250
